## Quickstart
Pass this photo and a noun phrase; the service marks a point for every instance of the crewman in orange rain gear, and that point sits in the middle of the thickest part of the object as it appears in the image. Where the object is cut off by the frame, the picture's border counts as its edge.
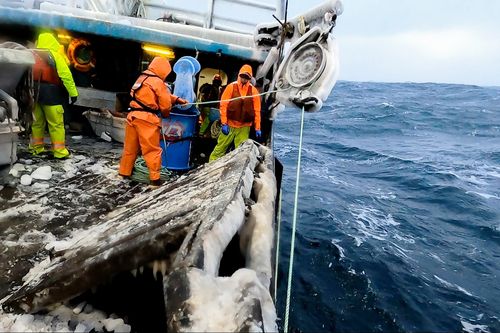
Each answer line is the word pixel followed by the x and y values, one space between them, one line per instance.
pixel 150 98
pixel 54 82
pixel 238 115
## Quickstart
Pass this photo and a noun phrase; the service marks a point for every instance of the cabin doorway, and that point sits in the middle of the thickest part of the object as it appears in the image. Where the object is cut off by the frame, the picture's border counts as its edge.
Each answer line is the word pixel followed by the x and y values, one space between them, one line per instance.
pixel 206 76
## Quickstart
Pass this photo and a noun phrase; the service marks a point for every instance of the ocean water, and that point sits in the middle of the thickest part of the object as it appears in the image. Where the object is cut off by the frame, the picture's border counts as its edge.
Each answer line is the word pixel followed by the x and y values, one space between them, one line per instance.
pixel 399 210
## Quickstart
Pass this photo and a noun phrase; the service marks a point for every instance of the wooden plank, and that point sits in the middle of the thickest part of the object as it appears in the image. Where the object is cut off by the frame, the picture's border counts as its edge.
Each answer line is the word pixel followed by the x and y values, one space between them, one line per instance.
pixel 94 98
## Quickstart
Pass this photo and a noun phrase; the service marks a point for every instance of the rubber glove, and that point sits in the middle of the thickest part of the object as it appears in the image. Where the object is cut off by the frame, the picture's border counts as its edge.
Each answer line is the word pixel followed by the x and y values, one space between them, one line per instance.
pixel 225 129
pixel 258 134
pixel 73 100
pixel 181 101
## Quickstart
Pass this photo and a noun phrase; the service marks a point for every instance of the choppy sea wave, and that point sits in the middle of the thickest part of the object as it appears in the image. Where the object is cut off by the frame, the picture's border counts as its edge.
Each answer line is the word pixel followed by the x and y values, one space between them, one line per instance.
pixel 399 215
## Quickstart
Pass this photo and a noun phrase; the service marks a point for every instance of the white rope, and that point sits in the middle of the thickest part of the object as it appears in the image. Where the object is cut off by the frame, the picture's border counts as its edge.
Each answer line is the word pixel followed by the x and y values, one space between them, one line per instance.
pixel 235 98
pixel 164 141
pixel 276 259
pixel 294 225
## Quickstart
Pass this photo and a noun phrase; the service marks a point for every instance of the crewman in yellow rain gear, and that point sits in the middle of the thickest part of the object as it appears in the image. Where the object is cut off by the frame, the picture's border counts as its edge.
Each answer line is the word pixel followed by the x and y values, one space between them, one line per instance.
pixel 54 82
pixel 238 114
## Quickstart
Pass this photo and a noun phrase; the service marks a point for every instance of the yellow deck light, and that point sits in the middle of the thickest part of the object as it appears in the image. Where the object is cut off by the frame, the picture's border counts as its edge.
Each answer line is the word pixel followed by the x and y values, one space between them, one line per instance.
pixel 159 50
pixel 64 38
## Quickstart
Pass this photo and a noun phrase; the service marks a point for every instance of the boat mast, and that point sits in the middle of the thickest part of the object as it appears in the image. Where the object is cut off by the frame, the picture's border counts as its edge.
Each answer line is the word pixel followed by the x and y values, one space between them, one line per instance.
pixel 210 14
pixel 281 8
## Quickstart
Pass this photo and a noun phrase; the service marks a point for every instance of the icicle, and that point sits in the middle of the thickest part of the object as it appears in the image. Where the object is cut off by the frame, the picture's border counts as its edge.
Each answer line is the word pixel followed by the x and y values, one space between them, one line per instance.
pixel 156 268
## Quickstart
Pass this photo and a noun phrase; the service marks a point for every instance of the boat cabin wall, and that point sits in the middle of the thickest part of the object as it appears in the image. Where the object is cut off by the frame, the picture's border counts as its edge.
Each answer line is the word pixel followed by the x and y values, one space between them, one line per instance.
pixel 113 65
pixel 108 67
pixel 98 62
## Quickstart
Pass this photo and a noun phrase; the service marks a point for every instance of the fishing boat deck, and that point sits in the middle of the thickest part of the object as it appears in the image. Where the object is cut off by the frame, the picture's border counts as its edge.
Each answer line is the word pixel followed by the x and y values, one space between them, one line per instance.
pixel 64 236
pixel 82 189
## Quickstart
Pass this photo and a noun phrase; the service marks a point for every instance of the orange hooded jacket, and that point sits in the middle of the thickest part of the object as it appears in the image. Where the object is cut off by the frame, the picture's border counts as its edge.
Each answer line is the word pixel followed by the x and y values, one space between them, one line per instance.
pixel 150 90
pixel 228 93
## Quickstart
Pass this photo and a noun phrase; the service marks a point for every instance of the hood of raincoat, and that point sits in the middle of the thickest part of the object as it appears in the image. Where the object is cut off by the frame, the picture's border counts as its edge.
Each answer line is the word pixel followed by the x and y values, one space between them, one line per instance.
pixel 246 69
pixel 160 67
pixel 48 41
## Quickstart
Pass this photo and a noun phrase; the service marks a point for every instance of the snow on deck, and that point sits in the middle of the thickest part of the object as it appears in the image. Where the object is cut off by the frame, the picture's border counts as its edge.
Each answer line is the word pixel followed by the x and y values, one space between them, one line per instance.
pixel 71 232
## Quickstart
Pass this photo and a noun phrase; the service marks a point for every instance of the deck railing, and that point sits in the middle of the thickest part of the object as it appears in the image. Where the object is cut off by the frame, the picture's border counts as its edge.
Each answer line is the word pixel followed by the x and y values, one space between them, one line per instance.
pixel 229 15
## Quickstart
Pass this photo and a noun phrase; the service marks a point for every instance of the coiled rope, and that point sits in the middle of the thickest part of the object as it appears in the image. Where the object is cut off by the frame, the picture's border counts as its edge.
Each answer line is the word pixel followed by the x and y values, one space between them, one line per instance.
pixel 140 173
pixel 294 225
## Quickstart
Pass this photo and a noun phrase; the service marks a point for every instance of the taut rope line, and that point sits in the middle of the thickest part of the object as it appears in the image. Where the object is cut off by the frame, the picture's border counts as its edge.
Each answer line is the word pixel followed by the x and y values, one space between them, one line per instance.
pixel 235 98
pixel 294 225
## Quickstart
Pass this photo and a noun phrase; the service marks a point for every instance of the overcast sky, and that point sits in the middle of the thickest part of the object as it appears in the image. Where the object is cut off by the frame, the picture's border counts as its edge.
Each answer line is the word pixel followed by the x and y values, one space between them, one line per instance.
pixel 452 41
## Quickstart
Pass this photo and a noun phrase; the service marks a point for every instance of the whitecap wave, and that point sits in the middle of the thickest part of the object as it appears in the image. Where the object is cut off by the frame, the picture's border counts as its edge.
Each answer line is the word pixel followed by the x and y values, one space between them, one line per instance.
pixel 404 238
pixel 484 195
pixel 400 252
pixel 325 173
pixel 372 223
pixel 383 195
pixel 436 257
pixel 474 328
pixel 336 242
pixel 479 175
pixel 453 286
pixel 387 105
pixel 284 150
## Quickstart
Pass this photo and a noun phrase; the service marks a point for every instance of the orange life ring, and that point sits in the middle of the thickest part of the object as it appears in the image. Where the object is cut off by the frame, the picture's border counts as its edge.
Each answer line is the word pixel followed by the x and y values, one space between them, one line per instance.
pixel 75 48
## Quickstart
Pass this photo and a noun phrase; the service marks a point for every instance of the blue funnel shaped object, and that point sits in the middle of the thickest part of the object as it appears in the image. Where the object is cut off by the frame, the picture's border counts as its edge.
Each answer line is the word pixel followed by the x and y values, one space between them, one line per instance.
pixel 195 63
pixel 185 69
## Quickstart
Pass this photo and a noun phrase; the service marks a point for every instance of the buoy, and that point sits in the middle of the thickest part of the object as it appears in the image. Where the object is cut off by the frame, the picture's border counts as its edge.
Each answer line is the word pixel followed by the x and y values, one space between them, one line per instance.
pixel 81 55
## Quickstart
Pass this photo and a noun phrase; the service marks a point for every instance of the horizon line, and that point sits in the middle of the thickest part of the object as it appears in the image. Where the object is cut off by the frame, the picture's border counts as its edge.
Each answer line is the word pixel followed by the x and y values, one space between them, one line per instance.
pixel 422 82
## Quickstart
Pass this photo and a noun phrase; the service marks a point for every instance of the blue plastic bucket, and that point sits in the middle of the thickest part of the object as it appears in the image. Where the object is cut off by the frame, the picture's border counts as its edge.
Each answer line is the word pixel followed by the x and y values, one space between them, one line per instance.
pixel 214 114
pixel 178 129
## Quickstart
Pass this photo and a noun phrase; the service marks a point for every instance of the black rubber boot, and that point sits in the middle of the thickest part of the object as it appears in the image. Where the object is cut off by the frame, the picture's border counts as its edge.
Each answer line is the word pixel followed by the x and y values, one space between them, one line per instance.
pixel 155 183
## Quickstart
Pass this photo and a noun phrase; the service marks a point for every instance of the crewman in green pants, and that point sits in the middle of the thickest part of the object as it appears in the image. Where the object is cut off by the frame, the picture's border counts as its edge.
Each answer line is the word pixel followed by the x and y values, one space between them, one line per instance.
pixel 54 82
pixel 239 114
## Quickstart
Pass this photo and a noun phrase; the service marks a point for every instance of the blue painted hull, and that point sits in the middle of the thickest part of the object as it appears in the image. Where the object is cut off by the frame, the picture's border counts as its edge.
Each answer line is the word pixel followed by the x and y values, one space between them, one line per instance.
pixel 150 32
